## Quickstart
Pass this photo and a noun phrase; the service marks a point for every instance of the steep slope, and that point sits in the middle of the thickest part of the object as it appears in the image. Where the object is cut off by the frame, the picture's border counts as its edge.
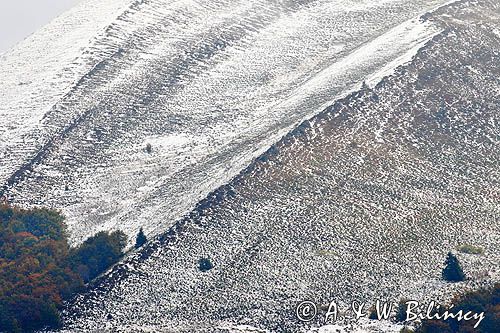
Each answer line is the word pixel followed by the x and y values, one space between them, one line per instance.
pixel 361 202
pixel 39 71
pixel 209 84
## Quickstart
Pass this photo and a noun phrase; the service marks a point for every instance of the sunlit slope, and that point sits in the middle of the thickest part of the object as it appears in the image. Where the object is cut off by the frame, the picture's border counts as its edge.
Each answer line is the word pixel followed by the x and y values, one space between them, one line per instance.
pixel 362 202
pixel 209 84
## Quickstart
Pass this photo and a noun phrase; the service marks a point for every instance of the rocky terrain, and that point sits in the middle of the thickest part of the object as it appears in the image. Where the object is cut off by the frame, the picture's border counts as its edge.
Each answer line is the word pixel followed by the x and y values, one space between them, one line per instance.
pixel 362 201
pixel 210 85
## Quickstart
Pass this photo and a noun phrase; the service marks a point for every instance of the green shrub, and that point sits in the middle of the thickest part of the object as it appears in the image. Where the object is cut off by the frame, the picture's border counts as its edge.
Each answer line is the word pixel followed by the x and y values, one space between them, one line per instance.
pixel 372 313
pixel 401 312
pixel 453 270
pixel 204 264
pixel 141 239
pixel 98 253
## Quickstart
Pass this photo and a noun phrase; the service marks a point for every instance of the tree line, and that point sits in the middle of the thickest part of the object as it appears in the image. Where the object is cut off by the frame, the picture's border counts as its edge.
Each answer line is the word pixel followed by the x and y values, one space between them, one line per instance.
pixel 39 270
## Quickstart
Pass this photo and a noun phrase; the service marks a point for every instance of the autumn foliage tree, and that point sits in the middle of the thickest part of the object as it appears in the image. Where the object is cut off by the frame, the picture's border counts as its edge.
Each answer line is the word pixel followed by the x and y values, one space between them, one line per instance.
pixel 38 269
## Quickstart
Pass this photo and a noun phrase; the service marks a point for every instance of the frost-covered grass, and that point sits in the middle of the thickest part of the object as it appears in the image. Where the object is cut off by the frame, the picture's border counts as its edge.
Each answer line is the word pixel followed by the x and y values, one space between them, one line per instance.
pixel 210 84
pixel 362 202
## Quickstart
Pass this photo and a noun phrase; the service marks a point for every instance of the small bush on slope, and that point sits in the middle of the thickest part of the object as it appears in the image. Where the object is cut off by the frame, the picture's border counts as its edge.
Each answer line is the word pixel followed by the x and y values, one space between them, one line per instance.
pixel 401 312
pixel 204 264
pixel 141 239
pixel 453 271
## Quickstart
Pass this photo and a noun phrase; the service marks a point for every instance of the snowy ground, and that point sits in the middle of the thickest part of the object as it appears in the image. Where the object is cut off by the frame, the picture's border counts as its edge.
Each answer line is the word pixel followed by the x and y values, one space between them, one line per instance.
pixel 209 84
pixel 362 202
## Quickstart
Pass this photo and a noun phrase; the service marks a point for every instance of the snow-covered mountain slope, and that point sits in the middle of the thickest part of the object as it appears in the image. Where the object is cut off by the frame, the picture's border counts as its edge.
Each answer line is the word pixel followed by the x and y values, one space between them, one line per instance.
pixel 41 70
pixel 361 202
pixel 209 84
